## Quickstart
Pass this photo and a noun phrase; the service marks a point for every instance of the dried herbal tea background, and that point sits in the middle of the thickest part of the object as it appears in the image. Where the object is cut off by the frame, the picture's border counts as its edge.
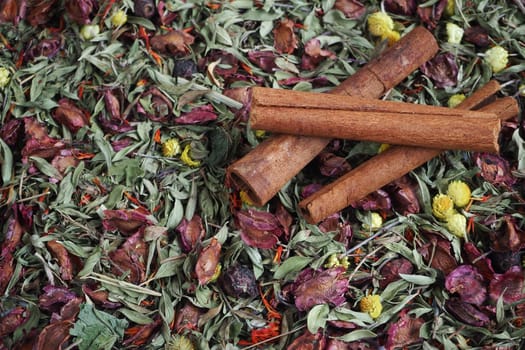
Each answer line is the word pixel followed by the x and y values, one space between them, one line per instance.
pixel 119 229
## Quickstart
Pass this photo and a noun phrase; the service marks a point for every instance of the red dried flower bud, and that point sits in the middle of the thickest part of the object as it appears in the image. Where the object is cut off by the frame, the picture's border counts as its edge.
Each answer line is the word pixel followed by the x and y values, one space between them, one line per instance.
pixel 40 12
pixel 175 42
pixel 81 10
pixel 68 114
pixel 144 8
pixel 12 11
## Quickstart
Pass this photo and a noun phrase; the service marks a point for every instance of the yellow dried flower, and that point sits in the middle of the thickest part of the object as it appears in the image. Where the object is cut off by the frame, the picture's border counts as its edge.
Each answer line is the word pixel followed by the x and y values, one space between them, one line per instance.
pixel 372 305
pixel 459 192
pixel 89 31
pixel 179 342
pixel 457 225
pixel 497 57
pixel 119 18
pixel 451 6
pixel 455 100
pixel 170 148
pixel 392 37
pixel 521 90
pixel 5 77
pixel 332 261
pixel 260 134
pixel 383 147
pixel 245 198
pixel 216 273
pixel 442 206
pixel 454 33
pixel 376 221
pixel 380 24
pixel 186 159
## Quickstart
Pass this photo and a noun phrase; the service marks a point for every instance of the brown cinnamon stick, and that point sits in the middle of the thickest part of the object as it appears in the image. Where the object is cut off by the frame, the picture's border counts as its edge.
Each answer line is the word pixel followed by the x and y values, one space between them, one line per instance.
pixel 269 166
pixel 361 119
pixel 388 166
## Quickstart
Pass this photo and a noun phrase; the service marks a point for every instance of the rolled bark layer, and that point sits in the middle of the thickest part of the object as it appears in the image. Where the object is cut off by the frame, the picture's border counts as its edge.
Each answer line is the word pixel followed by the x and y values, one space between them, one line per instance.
pixel 269 166
pixel 360 119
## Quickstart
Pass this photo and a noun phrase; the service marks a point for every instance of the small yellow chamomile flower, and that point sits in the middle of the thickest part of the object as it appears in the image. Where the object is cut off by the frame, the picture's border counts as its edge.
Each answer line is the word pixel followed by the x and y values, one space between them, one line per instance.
pixel 372 305
pixel 380 24
pixel 459 192
pixel 89 31
pixel 344 262
pixel 455 100
pixel 216 273
pixel 442 206
pixel 457 225
pixel 5 77
pixel 179 342
pixel 186 159
pixel 170 148
pixel 392 37
pixel 245 198
pixel 376 221
pixel 332 261
pixel 119 18
pixel 383 147
pixel 260 133
pixel 497 58
pixel 451 6
pixel 454 33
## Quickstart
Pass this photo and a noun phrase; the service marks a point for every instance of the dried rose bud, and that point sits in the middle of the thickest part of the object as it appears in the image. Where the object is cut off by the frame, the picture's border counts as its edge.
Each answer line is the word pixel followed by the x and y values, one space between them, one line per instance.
pixel 130 258
pixel 197 115
pixel 466 281
pixel 80 11
pixel 314 54
pixel 68 114
pixel 442 69
pixel 285 40
pixel 176 42
pixel 352 9
pixel 495 169
pixel 112 104
pixel 11 131
pixel 208 262
pixel 263 59
pixel 144 8
pixel 430 15
pixel 40 11
pixel 187 317
pixel 191 233
pixel 477 35
pixel 127 221
pixel 239 281
pixel 46 48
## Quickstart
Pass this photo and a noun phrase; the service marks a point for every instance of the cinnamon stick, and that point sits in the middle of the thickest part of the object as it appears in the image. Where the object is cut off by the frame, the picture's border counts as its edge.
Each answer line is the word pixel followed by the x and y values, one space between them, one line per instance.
pixel 387 166
pixel 268 167
pixel 361 119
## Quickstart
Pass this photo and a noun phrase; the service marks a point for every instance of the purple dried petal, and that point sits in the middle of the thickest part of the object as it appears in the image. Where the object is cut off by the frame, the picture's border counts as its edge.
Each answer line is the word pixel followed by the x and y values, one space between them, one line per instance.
pixel 510 285
pixel 12 11
pixel 190 232
pixel 318 287
pixel 100 297
pixel 332 165
pixel 125 220
pixel 438 250
pixel 403 193
pixel 165 17
pixel 375 201
pixel 10 321
pixel 207 262
pixel 130 258
pixel 228 63
pixel 263 59
pixel 494 169
pixel 160 106
pixel 352 9
pixel 11 132
pixel 308 341
pixel 63 160
pixel 68 114
pixel 442 69
pixel 80 11
pixel 259 229
pixel 197 115
pixel 391 270
pixel 401 7
pixel 45 48
pixel 55 297
pixel 314 54
pixel 468 283
pixel 404 332
pixel 467 313
pixel 430 15
pixel 308 190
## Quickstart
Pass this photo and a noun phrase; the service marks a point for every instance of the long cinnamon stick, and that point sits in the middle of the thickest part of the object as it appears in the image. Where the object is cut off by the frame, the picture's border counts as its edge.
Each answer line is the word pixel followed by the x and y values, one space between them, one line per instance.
pixel 269 166
pixel 386 167
pixel 360 119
